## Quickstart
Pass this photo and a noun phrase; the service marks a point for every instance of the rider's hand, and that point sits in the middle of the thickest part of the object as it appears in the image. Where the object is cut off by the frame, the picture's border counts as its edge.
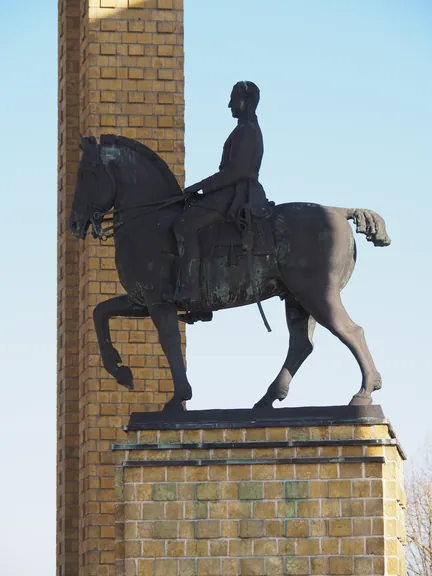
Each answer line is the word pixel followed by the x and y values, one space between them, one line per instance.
pixel 191 191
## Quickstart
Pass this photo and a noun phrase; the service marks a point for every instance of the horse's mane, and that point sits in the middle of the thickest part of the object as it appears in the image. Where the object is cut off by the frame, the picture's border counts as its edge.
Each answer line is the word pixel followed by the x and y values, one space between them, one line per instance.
pixel 146 152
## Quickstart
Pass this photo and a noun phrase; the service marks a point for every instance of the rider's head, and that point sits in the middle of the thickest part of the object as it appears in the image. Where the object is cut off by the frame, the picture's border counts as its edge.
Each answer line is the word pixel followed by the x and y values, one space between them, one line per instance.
pixel 244 99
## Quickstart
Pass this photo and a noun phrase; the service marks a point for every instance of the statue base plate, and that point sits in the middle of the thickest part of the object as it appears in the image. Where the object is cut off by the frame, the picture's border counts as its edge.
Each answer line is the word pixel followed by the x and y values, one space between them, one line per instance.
pixel 250 418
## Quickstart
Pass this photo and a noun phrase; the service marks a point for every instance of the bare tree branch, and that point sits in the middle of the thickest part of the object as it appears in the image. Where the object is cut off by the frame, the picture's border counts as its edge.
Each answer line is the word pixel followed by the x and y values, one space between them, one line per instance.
pixel 419 519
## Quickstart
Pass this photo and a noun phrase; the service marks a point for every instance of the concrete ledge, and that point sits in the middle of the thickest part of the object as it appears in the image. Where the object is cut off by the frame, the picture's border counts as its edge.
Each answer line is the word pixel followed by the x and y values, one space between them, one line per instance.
pixel 255 461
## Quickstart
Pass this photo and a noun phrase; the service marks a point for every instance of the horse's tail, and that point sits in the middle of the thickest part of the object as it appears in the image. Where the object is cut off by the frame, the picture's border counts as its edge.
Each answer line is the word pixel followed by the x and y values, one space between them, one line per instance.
pixel 370 224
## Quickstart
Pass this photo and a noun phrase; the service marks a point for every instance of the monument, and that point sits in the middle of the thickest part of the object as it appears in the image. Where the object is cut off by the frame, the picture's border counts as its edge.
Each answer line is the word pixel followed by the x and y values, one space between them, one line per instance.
pixel 250 492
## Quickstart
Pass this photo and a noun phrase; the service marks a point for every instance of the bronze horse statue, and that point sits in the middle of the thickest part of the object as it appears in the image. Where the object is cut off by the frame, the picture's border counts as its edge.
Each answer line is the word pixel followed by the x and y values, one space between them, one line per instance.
pixel 306 257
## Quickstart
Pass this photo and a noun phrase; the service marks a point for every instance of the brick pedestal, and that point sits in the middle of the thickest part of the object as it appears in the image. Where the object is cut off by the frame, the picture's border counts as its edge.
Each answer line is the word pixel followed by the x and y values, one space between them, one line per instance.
pixel 296 491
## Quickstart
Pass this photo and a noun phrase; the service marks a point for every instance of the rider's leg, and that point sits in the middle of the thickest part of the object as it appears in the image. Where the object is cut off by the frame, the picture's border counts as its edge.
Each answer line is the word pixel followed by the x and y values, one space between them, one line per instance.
pixel 186 231
pixel 204 212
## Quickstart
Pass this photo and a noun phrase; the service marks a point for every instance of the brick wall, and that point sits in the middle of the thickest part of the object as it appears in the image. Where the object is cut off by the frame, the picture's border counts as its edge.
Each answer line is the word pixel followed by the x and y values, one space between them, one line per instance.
pixel 327 500
pixel 68 293
pixel 122 73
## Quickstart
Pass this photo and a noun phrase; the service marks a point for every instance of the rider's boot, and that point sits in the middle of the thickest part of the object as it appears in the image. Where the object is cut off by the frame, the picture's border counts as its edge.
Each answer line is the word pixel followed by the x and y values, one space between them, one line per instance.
pixel 188 286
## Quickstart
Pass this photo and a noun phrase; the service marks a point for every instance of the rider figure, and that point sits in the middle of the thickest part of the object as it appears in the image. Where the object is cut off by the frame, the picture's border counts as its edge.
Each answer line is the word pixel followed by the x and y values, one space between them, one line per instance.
pixel 235 185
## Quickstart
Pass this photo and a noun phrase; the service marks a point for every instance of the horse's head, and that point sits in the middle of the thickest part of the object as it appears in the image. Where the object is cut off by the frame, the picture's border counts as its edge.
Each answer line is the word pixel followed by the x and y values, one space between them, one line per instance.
pixel 94 190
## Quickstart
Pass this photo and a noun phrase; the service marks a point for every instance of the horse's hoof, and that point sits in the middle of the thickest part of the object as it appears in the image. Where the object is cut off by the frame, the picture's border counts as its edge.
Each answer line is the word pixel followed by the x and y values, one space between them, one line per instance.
pixel 265 402
pixel 124 377
pixel 173 406
pixel 360 400
pixel 111 359
pixel 378 383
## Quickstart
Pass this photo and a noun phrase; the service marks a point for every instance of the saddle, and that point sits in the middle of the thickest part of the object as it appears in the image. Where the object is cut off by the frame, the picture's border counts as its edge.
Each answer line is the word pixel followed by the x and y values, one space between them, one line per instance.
pixel 249 234
pixel 250 230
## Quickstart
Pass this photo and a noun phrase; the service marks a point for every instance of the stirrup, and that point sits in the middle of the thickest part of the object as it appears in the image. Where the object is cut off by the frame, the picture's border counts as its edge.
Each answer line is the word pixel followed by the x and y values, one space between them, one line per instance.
pixel 192 317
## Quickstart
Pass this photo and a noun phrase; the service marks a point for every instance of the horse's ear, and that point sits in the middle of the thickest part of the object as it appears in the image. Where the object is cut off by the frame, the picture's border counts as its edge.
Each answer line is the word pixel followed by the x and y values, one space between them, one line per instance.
pixel 82 142
pixel 92 140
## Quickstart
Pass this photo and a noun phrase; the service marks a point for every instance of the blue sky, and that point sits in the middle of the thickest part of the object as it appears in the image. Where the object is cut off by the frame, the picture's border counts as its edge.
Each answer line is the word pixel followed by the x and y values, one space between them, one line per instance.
pixel 346 116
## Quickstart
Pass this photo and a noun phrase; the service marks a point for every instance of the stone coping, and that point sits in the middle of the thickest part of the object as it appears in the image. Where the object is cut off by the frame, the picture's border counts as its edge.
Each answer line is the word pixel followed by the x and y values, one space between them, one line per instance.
pixel 258 445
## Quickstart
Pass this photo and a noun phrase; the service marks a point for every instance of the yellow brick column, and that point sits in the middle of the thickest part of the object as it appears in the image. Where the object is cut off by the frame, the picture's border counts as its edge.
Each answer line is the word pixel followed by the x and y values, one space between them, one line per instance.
pixel 283 494
pixel 121 72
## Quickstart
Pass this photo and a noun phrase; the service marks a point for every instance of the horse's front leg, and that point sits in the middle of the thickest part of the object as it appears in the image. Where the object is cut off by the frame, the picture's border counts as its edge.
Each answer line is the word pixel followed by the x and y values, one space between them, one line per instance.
pixel 165 319
pixel 118 306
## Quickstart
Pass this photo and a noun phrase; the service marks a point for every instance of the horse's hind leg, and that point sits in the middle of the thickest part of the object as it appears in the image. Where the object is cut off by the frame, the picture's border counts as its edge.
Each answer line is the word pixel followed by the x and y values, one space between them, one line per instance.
pixel 326 307
pixel 301 327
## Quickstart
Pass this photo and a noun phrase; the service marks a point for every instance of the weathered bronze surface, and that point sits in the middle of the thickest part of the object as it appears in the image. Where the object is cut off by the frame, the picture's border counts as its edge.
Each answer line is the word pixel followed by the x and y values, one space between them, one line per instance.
pixel 250 251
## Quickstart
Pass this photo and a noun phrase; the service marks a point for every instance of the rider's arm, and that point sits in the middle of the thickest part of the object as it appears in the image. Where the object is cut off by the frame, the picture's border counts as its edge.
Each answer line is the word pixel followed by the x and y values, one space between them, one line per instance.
pixel 242 150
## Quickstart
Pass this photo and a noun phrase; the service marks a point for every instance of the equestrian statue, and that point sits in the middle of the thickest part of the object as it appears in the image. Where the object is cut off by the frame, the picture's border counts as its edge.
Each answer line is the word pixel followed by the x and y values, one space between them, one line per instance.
pixel 217 245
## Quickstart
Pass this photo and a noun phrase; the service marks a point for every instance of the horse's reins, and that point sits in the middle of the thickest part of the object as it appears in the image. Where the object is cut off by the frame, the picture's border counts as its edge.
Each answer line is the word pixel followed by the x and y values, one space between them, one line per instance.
pixel 108 232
